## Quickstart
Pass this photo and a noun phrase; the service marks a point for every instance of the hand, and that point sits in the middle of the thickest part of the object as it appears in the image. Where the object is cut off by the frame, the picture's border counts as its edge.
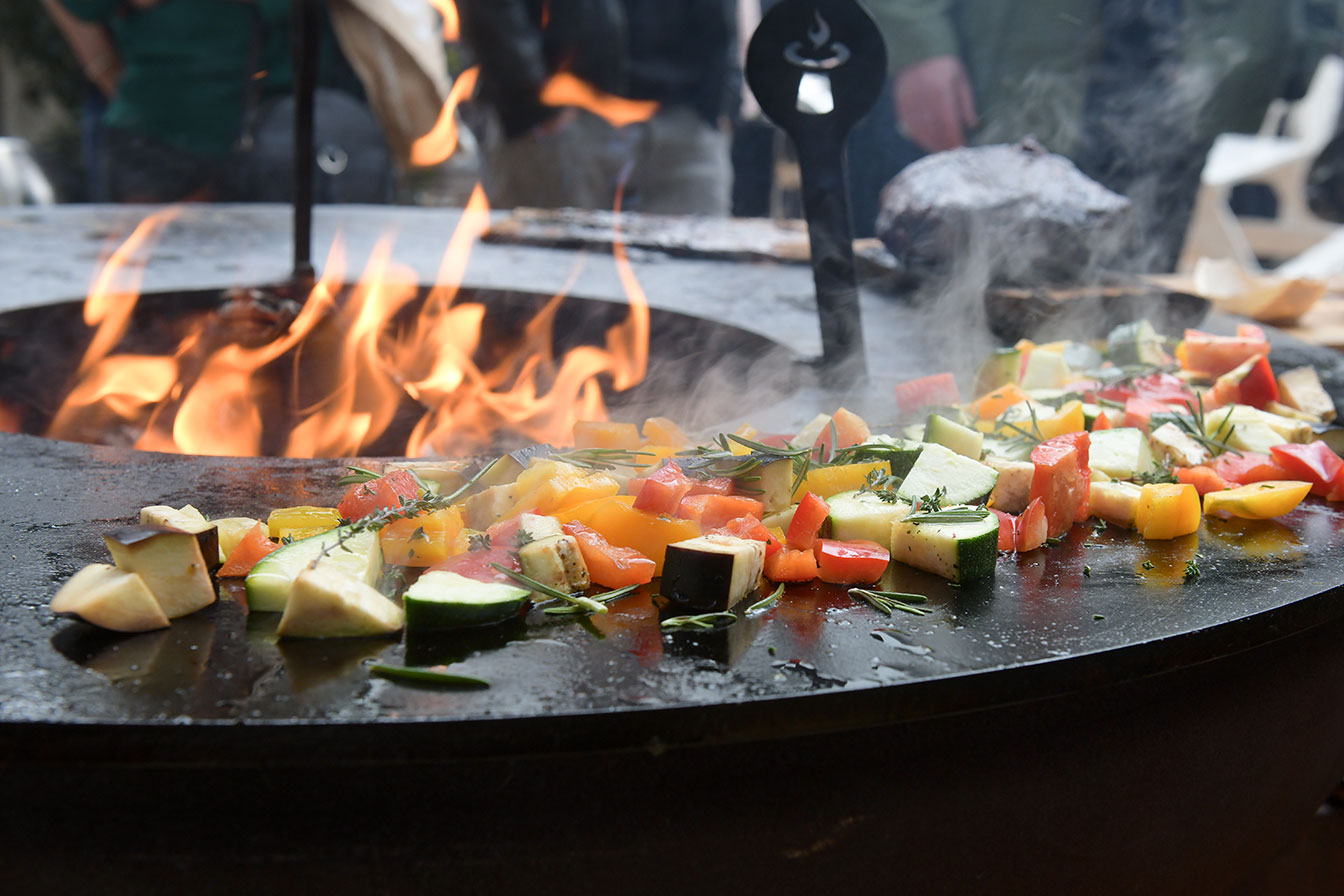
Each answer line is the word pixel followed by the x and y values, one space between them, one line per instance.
pixel 935 103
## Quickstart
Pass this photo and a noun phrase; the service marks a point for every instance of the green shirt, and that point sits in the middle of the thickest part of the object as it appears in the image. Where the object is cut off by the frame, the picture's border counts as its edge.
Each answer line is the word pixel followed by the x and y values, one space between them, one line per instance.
pixel 189 64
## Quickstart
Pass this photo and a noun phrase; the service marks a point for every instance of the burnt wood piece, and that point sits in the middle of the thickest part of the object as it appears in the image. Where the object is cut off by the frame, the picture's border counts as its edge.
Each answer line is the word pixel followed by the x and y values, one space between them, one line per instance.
pixel 1024 215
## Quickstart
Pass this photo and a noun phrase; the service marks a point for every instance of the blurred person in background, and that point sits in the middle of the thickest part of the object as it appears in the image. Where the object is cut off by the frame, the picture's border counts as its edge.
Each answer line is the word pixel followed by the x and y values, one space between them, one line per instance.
pixel 1133 91
pixel 679 54
pixel 200 95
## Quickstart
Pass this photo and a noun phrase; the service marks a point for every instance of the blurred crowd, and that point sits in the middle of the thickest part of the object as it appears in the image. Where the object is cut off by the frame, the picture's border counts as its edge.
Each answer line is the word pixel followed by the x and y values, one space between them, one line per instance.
pixel 191 99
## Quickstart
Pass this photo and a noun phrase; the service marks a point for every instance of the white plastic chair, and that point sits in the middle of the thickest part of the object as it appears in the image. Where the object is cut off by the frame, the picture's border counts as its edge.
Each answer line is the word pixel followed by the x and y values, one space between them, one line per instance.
pixel 21 180
pixel 1279 156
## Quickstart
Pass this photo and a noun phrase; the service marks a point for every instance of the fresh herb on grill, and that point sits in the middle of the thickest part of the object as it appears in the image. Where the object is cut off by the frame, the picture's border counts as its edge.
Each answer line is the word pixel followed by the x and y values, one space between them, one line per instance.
pixel 1191 570
pixel 718 459
pixel 951 515
pixel 1193 424
pixel 357 475
pixel 435 675
pixel 478 541
pixel 603 458
pixel 605 597
pixel 882 485
pixel 1161 474
pixel 766 602
pixel 588 604
pixel 890 601
pixel 700 621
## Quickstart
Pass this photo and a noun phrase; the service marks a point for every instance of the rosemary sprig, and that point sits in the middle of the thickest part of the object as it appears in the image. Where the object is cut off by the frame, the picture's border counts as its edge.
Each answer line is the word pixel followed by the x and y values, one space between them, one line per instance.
pixel 603 458
pixel 698 621
pixel 577 600
pixel 951 515
pixel 357 475
pixel 890 601
pixel 766 602
pixel 1192 423
pixel 408 509
pixel 605 597
pixel 718 459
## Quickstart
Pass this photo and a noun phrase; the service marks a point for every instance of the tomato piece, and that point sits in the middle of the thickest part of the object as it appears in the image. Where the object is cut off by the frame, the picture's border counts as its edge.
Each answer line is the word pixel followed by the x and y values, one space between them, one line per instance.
pixel 1032 528
pixel 384 493
pixel 1062 480
pixel 850 428
pixel 664 490
pixel 1101 422
pixel 250 548
pixel 1139 411
pixel 1214 355
pixel 1248 467
pixel 807 521
pixel 1203 478
pixel 750 527
pixel 1314 462
pixel 938 389
pixel 850 562
pixel 1164 387
pixel 1007 529
pixel 609 565
pixel 712 511
pixel 791 565
pixel 719 485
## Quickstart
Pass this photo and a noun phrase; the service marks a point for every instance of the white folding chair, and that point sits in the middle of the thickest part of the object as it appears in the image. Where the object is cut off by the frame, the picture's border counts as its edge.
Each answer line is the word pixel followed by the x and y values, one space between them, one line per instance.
pixel 1279 156
pixel 21 180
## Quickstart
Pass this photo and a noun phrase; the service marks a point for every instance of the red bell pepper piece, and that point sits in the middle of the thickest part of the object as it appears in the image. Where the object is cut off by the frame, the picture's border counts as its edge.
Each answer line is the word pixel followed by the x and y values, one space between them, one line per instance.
pixel 850 562
pixel 790 565
pixel 1164 387
pixel 807 520
pixel 663 490
pixel 1248 467
pixel 1314 462
pixel 250 548
pixel 719 485
pixel 712 511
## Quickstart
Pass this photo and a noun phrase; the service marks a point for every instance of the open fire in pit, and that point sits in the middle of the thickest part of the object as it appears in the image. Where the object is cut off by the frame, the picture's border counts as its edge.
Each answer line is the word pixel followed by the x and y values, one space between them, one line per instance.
pixel 379 366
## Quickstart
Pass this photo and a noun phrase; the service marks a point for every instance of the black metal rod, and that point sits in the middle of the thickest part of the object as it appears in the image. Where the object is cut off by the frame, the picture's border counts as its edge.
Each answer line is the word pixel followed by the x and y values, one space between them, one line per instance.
pixel 303 45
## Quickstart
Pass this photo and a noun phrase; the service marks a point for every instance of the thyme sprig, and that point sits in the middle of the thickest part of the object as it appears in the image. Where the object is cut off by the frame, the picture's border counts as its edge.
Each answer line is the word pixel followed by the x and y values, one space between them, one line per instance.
pixel 604 597
pixel 698 621
pixel 890 601
pixel 882 485
pixel 409 508
pixel 929 503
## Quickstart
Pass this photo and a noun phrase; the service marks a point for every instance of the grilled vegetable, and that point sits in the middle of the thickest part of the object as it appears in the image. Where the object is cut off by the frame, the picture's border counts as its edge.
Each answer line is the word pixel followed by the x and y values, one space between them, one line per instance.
pixel 958 543
pixel 441 600
pixel 111 598
pixel 351 551
pixel 712 572
pixel 170 563
pixel 325 602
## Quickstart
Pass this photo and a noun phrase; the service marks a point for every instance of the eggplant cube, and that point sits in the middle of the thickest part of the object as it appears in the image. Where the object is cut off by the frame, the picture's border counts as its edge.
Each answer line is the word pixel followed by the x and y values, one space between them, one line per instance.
pixel 712 572
pixel 188 519
pixel 169 561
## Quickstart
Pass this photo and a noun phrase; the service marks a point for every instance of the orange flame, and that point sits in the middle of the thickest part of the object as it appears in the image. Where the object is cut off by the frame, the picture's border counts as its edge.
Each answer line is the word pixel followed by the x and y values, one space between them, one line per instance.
pixel 565 89
pixel 441 141
pixel 356 365
pixel 451 24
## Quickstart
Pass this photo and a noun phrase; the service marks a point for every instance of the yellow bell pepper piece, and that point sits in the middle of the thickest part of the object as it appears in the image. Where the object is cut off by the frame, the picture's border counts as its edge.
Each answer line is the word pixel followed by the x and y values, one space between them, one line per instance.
pixel 606 434
pixel 300 522
pixel 827 481
pixel 991 405
pixel 621 524
pixel 548 485
pixel 423 540
pixel 1069 418
pixel 1257 501
pixel 1167 510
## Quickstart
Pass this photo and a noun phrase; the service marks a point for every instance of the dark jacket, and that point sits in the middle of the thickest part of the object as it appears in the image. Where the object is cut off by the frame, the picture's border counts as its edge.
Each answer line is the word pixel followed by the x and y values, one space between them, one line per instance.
pixel 678 52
